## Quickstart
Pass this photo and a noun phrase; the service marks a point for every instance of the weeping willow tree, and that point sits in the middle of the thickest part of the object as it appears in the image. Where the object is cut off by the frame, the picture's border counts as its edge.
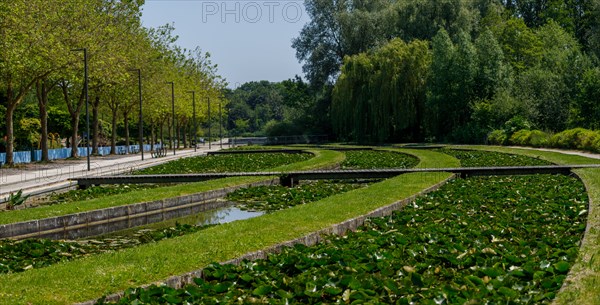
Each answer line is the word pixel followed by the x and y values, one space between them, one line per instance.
pixel 380 95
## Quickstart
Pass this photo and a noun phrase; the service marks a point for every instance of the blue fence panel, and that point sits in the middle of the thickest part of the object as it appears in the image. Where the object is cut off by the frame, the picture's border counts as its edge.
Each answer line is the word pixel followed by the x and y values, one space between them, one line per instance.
pixel 22 157
pixel 104 150
pixel 64 153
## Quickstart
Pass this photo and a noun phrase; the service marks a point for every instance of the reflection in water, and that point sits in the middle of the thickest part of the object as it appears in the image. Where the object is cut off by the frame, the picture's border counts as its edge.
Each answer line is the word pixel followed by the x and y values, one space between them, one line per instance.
pixel 227 213
pixel 223 215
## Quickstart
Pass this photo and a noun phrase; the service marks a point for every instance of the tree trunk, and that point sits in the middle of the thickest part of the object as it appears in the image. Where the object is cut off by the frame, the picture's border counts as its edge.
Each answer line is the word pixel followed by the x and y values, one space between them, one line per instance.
pixel 74 135
pixel 9 135
pixel 113 137
pixel 185 136
pixel 178 138
pixel 152 136
pixel 171 134
pixel 12 102
pixel 43 90
pixel 74 111
pixel 126 123
pixel 95 125
pixel 162 134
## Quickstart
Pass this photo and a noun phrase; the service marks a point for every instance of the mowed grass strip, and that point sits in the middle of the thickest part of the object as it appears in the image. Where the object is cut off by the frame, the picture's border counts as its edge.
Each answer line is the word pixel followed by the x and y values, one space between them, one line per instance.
pixel 429 158
pixel 92 277
pixel 581 286
pixel 322 158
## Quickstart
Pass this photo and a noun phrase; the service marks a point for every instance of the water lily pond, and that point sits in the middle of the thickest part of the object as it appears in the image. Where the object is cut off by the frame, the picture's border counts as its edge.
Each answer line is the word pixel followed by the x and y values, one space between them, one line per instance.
pixel 500 240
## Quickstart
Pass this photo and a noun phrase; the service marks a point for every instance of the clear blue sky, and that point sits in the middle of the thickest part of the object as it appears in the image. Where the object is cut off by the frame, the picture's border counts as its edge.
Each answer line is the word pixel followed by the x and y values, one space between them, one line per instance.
pixel 249 40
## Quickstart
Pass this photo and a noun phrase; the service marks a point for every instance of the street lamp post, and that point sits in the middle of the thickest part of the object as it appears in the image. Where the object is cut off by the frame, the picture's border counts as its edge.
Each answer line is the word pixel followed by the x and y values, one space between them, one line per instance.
pixel 87 113
pixel 194 118
pixel 141 122
pixel 173 109
pixel 220 127
pixel 209 123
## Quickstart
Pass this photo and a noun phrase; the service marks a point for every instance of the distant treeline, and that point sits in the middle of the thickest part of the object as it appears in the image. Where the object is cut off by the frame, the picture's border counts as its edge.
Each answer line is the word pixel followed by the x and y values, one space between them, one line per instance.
pixel 452 70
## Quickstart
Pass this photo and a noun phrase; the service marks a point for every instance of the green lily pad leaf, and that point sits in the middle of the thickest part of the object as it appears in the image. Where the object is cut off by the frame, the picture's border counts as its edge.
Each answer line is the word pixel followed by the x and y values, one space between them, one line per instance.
pixel 222 287
pixel 262 290
pixel 416 279
pixel 247 277
pixel 333 290
pixel 355 284
pixel 475 281
pixel 284 294
pixel 492 272
pixel 562 267
pixel 172 299
pixel 508 292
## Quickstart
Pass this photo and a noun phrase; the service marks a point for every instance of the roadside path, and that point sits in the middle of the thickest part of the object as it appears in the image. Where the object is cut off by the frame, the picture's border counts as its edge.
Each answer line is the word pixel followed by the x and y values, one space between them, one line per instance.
pixel 36 178
pixel 563 151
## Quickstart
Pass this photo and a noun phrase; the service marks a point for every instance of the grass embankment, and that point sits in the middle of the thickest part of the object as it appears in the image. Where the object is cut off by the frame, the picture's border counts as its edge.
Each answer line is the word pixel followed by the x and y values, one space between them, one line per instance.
pixel 429 158
pixel 323 158
pixel 581 287
pixel 95 276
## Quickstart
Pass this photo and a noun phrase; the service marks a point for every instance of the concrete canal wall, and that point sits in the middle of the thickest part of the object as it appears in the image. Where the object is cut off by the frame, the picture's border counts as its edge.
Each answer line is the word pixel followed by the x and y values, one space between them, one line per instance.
pixel 113 219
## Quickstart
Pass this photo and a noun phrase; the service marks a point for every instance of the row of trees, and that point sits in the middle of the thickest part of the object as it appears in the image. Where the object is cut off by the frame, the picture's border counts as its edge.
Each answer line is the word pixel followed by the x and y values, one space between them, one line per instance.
pixel 453 69
pixel 41 59
pixel 274 109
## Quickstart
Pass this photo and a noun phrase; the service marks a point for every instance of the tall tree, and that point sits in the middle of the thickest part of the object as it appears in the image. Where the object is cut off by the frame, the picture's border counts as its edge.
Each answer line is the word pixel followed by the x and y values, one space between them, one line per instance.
pixel 337 28
pixel 26 56
pixel 380 95
pixel 493 74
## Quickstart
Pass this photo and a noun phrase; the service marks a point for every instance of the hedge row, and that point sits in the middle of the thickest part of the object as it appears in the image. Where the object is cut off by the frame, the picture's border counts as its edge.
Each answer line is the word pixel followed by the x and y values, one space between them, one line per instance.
pixel 578 138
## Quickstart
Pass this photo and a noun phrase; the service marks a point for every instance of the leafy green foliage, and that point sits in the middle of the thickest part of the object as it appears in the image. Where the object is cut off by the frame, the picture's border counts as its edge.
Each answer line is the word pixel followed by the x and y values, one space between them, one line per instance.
pixel 380 95
pixel 19 256
pixel 576 138
pixel 225 163
pixel 495 239
pixel 15 200
pixel 475 158
pixel 274 198
pixel 373 159
pixel 535 138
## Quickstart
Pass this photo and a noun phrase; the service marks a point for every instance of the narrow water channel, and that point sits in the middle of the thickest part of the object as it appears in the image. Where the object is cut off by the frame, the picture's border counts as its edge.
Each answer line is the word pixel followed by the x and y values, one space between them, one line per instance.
pixel 198 214
pixel 221 215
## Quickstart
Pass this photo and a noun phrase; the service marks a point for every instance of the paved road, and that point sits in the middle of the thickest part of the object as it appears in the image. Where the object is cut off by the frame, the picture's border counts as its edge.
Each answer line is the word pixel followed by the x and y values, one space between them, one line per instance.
pixel 37 178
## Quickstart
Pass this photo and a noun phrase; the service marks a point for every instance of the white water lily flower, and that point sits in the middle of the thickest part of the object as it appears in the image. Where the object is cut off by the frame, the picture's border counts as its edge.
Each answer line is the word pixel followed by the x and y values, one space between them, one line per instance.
pixel 489 251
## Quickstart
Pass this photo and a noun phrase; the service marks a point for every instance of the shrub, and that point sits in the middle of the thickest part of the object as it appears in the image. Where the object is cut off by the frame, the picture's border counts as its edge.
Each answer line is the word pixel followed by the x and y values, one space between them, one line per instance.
pixel 586 139
pixel 497 137
pixel 538 138
pixel 567 139
pixel 520 137
pixel 515 124
pixel 596 145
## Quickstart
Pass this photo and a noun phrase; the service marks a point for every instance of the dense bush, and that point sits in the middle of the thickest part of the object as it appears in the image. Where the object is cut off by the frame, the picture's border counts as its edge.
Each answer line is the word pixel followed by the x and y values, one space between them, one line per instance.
pixel 566 139
pixel 497 137
pixel 524 137
pixel 520 137
pixel 577 138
